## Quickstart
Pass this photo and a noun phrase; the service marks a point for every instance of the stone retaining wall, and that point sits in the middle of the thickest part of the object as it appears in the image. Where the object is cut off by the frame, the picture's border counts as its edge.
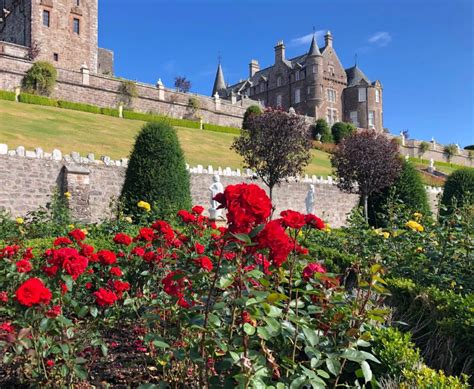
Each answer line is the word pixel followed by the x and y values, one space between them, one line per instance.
pixel 28 178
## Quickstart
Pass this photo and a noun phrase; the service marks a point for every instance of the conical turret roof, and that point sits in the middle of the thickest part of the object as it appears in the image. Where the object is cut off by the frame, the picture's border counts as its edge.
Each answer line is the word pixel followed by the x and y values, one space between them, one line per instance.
pixel 314 49
pixel 219 83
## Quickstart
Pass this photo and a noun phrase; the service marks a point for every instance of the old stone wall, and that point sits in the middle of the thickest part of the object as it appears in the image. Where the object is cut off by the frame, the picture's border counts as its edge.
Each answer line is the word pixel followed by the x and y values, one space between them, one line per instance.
pixel 103 91
pixel 28 178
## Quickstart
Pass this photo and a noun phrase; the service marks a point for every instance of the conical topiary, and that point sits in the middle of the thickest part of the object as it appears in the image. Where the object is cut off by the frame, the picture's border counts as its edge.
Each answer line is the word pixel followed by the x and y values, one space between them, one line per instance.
pixel 157 172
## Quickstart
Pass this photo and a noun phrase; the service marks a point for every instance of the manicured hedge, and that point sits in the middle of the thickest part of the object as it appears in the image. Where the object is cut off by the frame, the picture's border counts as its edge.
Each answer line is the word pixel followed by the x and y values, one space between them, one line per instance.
pixel 38 100
pixel 146 117
pixel 110 112
pixel 224 129
pixel 79 107
pixel 5 95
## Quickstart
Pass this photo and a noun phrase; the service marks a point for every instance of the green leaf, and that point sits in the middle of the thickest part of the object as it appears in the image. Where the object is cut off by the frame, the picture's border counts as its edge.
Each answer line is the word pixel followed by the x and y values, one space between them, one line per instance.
pixel 68 281
pixel 298 382
pixel 311 336
pixel 243 238
pixel 271 310
pixel 367 371
pixel 161 344
pixel 94 311
pixel 64 348
pixel 83 311
pixel 226 281
pixel 263 333
pixel 249 329
pixel 45 324
pixel 333 366
pixel 81 373
pixel 353 355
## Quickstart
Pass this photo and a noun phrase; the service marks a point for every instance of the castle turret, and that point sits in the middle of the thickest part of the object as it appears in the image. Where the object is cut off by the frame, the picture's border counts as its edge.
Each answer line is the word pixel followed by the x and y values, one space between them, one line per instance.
pixel 328 39
pixel 314 74
pixel 219 82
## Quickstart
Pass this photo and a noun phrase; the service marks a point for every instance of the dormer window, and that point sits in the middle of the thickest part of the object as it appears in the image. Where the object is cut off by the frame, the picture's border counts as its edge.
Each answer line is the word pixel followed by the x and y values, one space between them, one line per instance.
pixel 297 76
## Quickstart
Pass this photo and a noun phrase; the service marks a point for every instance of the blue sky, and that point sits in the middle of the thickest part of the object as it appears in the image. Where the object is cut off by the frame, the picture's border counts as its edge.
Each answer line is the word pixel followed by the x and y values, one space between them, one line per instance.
pixel 422 51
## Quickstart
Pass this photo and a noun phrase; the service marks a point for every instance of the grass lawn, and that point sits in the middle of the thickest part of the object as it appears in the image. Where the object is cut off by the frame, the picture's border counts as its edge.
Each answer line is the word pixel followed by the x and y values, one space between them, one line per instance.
pixel 49 128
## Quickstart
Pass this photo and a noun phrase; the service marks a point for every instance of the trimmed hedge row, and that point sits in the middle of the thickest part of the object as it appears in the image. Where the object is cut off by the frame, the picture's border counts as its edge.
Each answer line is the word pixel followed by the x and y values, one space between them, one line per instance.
pixel 131 115
pixel 5 95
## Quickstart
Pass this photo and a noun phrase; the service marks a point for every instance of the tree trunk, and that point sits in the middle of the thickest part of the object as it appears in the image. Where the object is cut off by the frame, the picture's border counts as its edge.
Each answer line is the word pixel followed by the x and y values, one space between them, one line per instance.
pixel 366 207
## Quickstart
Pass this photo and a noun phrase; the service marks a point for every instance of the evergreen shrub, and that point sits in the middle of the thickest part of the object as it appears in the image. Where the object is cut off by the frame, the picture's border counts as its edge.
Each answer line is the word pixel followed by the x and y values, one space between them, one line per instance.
pixel 321 127
pixel 340 130
pixel 157 172
pixel 458 190
pixel 37 100
pixel 79 107
pixel 40 79
pixel 6 95
pixel 110 112
pixel 252 110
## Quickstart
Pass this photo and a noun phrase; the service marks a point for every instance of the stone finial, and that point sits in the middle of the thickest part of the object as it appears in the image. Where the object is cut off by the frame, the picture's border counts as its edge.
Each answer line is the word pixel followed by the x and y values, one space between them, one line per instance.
pixel 159 83
pixel 292 111
pixel 39 152
pixel 105 159
pixel 57 155
pixel 20 151
pixel 76 157
pixel 120 109
pixel 85 74
pixel 17 93
pixel 90 157
pixel 3 149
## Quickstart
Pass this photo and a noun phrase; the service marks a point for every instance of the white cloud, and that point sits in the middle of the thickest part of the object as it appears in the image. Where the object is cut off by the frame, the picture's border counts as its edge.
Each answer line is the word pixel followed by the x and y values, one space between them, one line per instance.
pixel 306 39
pixel 380 39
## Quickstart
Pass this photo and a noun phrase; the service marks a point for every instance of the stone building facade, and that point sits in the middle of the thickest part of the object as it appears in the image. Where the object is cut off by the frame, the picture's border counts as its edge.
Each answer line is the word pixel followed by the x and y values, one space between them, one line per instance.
pixel 63 32
pixel 314 84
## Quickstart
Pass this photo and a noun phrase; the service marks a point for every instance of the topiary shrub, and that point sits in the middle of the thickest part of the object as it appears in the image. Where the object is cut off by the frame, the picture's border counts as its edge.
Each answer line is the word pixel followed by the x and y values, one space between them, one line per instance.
pixel 458 191
pixel 407 189
pixel 252 110
pixel 127 92
pixel 321 127
pixel 157 172
pixel 40 79
pixel 340 130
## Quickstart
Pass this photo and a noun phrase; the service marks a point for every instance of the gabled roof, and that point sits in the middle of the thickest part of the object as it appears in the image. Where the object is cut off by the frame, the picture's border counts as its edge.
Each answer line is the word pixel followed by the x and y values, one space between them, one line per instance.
pixel 355 76
pixel 219 83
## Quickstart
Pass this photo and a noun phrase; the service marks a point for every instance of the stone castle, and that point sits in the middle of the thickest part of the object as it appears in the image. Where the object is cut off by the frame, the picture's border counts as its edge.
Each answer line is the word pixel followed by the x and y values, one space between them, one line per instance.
pixel 314 84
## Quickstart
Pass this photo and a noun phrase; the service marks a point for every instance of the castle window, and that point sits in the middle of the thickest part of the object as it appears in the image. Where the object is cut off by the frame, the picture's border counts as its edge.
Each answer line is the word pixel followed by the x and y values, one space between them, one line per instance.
pixel 315 68
pixel 362 95
pixel 262 87
pixel 377 96
pixel 46 18
pixel 371 119
pixel 297 76
pixel 331 95
pixel 76 26
pixel 297 96
pixel 56 57
pixel 354 118
pixel 278 101
pixel 331 70
pixel 331 116
pixel 78 3
pixel 279 81
pixel 308 91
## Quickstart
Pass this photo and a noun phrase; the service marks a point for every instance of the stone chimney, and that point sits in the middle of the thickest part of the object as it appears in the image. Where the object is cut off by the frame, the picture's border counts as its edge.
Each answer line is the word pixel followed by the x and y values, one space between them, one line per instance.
pixel 254 67
pixel 328 39
pixel 279 52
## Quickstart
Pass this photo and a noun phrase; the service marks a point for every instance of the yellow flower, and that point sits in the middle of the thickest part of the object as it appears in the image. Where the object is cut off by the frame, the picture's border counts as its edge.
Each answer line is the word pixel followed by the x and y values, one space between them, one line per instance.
pixel 327 228
pixel 128 219
pixel 417 215
pixel 144 205
pixel 413 225
pixel 386 234
pixel 70 226
pixel 84 231
pixel 379 232
pixel 19 220
pixel 67 195
pixel 419 250
pixel 300 233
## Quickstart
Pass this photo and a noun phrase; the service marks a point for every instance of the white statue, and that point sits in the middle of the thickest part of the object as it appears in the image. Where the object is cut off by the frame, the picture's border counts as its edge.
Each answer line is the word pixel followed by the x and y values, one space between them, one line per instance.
pixel 431 168
pixel 310 199
pixel 215 189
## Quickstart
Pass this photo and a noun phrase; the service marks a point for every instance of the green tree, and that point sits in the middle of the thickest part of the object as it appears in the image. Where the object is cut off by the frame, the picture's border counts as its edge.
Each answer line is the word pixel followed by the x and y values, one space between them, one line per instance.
pixel 252 110
pixel 458 190
pixel 408 189
pixel 40 79
pixel 423 148
pixel 340 130
pixel 321 127
pixel 450 151
pixel 157 172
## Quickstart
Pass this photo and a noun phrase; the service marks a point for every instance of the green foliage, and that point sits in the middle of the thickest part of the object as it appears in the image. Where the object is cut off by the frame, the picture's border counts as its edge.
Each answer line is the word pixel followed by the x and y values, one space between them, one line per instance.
pixel 79 107
pixel 458 190
pixel 156 172
pixel 408 189
pixel 147 117
pixel 322 128
pixel 252 110
pixel 110 112
pixel 37 100
pixel 222 129
pixel 6 95
pixel 9 229
pixel 340 130
pixel 423 148
pixel 194 105
pixel 426 377
pixel 40 79
pixel 450 151
pixel 127 92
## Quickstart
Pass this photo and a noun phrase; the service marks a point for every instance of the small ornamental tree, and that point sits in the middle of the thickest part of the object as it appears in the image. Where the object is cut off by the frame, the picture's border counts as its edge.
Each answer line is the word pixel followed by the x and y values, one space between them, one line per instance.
pixel 423 148
pixel 156 172
pixel 322 128
pixel 366 162
pixel 127 92
pixel 182 84
pixel 252 110
pixel 450 151
pixel 458 190
pixel 40 79
pixel 276 145
pixel 408 188
pixel 340 130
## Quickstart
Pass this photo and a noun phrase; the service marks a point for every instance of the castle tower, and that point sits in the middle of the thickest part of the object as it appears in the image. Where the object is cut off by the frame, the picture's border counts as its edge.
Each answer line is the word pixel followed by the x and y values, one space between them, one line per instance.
pixel 314 75
pixel 219 82
pixel 64 31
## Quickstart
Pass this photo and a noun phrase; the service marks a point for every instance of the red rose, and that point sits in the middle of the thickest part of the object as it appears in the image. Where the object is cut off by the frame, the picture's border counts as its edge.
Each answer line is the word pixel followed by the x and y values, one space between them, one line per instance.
pixel 164 229
pixel 75 266
pixel 23 266
pixel 106 257
pixel 63 288
pixel 104 297
pixel 247 206
pixel 199 248
pixel 88 285
pixel 174 283
pixel 314 222
pixel 28 254
pixel 54 312
pixel 274 238
pixel 183 303
pixel 138 251
pixel 123 239
pixel 121 286
pixel 292 219
pixel 50 363
pixel 116 271
pixel 77 235
pixel 197 209
pixel 3 297
pixel 62 241
pixel 147 234
pixel 186 217
pixel 7 327
pixel 204 263
pixel 312 268
pixel 33 292
pixel 50 271
pixel 9 251
pixel 87 250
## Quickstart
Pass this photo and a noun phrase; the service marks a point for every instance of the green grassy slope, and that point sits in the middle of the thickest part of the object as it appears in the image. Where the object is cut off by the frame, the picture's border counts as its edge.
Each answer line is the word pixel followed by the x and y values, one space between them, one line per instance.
pixel 46 127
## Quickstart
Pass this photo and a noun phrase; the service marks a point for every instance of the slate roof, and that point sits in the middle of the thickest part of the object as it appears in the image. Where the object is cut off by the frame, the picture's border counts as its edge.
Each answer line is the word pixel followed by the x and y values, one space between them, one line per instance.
pixel 355 76
pixel 219 82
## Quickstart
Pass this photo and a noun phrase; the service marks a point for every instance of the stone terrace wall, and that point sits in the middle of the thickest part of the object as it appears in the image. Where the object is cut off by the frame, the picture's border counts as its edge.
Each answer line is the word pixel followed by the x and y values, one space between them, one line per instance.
pixel 103 91
pixel 27 179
